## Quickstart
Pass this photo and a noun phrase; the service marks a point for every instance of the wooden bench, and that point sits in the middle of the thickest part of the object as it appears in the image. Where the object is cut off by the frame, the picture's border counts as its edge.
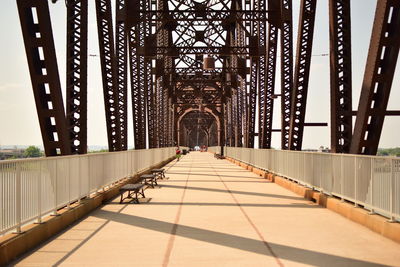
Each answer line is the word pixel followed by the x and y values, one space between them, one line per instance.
pixel 158 173
pixel 133 191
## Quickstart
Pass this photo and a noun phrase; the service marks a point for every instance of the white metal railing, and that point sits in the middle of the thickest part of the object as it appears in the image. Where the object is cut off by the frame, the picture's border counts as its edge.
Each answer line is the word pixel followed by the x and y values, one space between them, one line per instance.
pixel 369 181
pixel 33 188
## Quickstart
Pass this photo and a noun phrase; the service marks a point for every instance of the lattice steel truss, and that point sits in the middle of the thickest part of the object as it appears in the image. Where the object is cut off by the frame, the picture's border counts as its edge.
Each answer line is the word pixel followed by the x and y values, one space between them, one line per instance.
pixel 121 49
pixel 109 73
pixel 302 73
pixel 341 78
pixel 77 29
pixel 211 58
pixel 286 70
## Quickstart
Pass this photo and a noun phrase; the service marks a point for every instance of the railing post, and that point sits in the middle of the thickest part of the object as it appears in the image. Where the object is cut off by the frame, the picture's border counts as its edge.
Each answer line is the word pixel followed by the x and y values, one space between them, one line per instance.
pixel 372 186
pixel 55 190
pixel 341 178
pixel 39 190
pixel 69 184
pixel 18 199
pixel 355 181
pixel 391 191
pixel 79 180
pixel 89 175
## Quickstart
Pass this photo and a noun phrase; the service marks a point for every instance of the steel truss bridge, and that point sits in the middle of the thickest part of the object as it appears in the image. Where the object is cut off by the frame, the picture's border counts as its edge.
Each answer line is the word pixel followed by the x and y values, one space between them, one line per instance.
pixel 204 70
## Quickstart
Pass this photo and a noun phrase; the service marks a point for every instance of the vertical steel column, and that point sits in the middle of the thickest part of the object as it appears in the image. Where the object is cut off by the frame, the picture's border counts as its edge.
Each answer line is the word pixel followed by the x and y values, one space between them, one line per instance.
pixel 158 129
pixel 262 75
pixel 40 52
pixel 302 72
pixel 151 114
pixel 266 131
pixel 108 69
pixel 122 70
pixel 252 102
pixel 165 108
pixel 286 69
pixel 77 30
pixel 240 111
pixel 378 78
pixel 138 90
pixel 341 75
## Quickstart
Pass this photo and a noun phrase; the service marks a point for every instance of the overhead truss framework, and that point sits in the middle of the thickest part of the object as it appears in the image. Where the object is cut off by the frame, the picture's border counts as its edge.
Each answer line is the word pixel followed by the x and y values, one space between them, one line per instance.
pixel 212 62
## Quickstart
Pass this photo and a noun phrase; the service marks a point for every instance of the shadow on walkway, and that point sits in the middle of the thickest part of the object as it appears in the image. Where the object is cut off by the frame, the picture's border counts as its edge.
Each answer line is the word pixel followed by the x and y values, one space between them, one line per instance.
pixel 232 191
pixel 247 244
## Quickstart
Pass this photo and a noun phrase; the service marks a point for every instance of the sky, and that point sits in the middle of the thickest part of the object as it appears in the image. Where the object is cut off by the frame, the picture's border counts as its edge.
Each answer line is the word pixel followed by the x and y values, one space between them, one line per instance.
pixel 19 122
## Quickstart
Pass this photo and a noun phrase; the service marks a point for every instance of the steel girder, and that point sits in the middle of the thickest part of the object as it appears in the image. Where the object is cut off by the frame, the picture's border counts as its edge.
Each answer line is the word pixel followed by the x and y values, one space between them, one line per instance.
pixel 302 73
pixel 266 114
pixel 40 51
pixel 109 73
pixel 262 79
pixel 251 105
pixel 378 78
pixel 286 70
pixel 341 75
pixel 77 30
pixel 138 90
pixel 121 49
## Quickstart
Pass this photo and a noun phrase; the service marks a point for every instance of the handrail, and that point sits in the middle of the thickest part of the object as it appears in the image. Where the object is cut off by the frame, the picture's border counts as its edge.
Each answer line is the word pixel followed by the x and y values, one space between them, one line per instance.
pixel 370 182
pixel 33 188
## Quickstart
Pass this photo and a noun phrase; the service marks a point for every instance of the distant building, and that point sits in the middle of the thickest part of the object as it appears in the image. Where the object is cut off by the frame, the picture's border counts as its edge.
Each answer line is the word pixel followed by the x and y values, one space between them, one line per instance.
pixel 11 153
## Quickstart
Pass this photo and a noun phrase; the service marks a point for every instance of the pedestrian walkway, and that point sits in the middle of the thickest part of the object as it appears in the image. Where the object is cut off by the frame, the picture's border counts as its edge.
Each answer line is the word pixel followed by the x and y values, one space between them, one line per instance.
pixel 213 213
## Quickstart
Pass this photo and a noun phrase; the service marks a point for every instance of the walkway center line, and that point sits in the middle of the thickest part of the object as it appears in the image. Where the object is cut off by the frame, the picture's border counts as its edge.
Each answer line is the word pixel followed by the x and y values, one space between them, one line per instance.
pixel 278 261
pixel 171 240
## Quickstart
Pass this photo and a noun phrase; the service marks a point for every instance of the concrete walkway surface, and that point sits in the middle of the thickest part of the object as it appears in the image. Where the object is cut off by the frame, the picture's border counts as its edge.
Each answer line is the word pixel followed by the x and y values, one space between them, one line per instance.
pixel 213 213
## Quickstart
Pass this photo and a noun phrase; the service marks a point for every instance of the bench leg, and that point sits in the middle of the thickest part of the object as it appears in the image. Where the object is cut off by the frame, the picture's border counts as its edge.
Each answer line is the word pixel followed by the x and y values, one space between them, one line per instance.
pixel 120 202
pixel 143 193
pixel 136 198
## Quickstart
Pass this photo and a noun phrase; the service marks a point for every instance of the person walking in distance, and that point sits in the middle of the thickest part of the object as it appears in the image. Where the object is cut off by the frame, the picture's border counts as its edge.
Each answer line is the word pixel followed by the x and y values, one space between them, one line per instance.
pixel 178 153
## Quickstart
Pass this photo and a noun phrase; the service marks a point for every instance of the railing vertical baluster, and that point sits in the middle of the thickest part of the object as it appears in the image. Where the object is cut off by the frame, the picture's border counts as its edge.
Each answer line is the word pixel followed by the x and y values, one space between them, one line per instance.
pixel 341 178
pixel 79 180
pixel 69 183
pixel 18 198
pixel 372 186
pixel 39 183
pixel 355 181
pixel 55 189
pixel 392 192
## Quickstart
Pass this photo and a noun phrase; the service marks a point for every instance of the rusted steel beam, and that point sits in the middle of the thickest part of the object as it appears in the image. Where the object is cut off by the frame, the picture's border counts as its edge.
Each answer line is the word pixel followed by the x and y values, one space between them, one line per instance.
pixel 341 75
pixel 42 62
pixel 378 78
pixel 302 73
pixel 262 72
pixel 121 49
pixel 77 30
pixel 138 89
pixel 286 69
pixel 266 130
pixel 109 73
pixel 251 105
